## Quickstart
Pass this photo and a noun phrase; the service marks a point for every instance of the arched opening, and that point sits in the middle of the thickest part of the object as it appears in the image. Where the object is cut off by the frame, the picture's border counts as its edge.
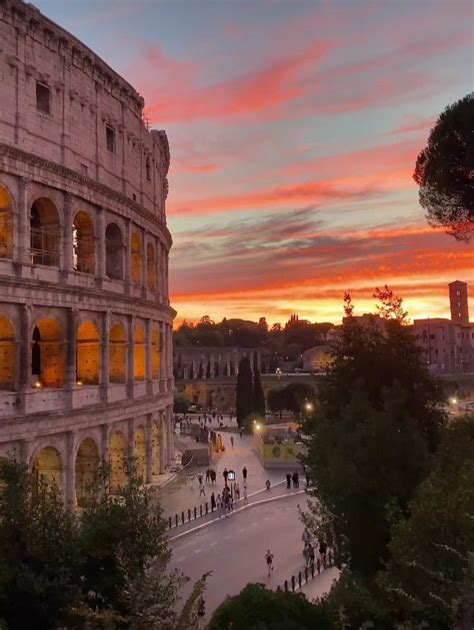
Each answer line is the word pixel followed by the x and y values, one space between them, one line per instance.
pixel 216 368
pixel 136 256
pixel 47 354
pixel 155 354
pixel 83 243
pixel 155 450
pixel 47 468
pixel 113 252
pixel 44 233
pixel 117 354
pixel 88 354
pixel 6 224
pixel 117 456
pixel 7 354
pixel 139 354
pixel 139 452
pixel 87 462
pixel 150 267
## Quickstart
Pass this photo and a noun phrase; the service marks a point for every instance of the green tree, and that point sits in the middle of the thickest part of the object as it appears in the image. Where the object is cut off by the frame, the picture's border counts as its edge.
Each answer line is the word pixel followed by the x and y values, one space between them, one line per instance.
pixel 257 608
pixel 369 447
pixel 296 395
pixel 445 170
pixel 430 550
pixel 244 394
pixel 39 553
pixel 258 395
pixel 276 400
pixel 181 403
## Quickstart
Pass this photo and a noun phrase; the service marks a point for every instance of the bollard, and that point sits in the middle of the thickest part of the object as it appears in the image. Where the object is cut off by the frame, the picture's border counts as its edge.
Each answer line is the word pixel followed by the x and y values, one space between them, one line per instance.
pixel 293 583
pixel 169 522
pixel 182 518
pixel 319 566
pixel 195 513
pixel 306 574
pixel 286 586
pixel 200 510
pixel 189 515
pixel 299 579
pixel 312 570
pixel 330 558
pixel 176 520
pixel 207 508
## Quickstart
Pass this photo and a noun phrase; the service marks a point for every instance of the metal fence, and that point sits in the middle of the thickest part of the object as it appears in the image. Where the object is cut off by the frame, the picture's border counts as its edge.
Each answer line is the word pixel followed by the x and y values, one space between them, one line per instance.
pixel 309 572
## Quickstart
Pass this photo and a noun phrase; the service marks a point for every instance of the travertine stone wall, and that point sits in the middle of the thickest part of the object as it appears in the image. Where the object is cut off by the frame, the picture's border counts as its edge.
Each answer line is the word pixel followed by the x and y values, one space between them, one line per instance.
pixel 85 320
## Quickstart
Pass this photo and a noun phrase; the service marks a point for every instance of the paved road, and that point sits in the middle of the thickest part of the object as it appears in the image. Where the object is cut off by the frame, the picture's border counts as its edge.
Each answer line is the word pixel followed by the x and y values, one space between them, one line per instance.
pixel 234 549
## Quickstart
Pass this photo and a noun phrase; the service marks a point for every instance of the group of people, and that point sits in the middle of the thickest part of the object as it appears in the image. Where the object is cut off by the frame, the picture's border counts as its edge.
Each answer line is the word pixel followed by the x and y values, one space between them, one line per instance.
pixel 295 477
pixel 308 549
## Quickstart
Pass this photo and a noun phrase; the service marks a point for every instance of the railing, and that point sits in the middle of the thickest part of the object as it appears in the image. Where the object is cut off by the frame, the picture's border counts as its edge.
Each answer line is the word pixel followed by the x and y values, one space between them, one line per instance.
pixel 308 573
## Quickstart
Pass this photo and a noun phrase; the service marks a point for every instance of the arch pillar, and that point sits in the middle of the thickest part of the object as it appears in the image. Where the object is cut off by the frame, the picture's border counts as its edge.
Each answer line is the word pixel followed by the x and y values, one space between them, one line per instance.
pixel 70 376
pixel 130 437
pixel 162 446
pixel 104 354
pixel 169 435
pixel 67 266
pixel 148 363
pixel 23 254
pixel 70 471
pixel 149 448
pixel 100 244
pixel 128 257
pixel 131 356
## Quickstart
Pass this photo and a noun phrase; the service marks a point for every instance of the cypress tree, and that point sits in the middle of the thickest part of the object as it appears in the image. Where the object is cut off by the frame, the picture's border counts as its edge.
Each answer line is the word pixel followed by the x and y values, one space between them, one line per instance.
pixel 244 396
pixel 258 396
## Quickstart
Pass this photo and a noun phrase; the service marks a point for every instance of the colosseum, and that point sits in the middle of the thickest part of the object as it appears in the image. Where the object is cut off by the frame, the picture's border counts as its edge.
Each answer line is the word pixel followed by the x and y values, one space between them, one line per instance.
pixel 85 320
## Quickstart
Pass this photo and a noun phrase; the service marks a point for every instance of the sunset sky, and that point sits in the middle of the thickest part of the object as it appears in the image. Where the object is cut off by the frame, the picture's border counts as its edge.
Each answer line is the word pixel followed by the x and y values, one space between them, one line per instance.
pixel 294 128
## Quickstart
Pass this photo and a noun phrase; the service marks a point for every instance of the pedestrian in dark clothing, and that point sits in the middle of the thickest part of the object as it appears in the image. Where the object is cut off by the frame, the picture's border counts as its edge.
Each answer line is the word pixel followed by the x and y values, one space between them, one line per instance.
pixel 288 480
pixel 323 550
pixel 208 475
pixel 244 474
pixel 225 474
pixel 213 476
pixel 241 433
pixel 307 479
pixel 213 502
pixel 296 480
pixel 311 555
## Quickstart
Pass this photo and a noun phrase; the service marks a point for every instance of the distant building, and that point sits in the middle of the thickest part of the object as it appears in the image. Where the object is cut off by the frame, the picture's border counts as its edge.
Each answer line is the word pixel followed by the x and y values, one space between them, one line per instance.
pixel 448 344
pixel 194 362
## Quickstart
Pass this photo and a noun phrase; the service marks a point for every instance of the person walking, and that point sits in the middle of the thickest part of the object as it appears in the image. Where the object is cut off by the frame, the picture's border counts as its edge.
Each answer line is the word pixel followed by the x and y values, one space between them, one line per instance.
pixel 246 499
pixel 225 474
pixel 307 479
pixel 306 554
pixel 306 537
pixel 288 480
pixel 213 502
pixel 208 475
pixel 295 480
pixel 237 492
pixel 311 555
pixel 241 431
pixel 202 490
pixel 269 561
pixel 232 440
pixel 219 504
pixel 213 476
pixel 244 475
pixel 322 551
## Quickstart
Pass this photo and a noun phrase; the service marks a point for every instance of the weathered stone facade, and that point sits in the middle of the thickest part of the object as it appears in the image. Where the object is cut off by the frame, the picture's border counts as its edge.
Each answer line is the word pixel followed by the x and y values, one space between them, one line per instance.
pixel 192 362
pixel 85 321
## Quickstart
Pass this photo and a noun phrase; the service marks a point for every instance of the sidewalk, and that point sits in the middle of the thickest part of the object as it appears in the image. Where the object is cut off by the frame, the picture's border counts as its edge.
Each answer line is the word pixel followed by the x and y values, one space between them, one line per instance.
pixel 182 493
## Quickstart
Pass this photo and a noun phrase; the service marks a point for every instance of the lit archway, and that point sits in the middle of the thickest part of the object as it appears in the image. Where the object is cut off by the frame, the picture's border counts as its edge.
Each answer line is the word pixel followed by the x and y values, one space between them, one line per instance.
pixel 44 233
pixel 87 462
pixel 47 354
pixel 113 252
pixel 151 267
pixel 7 354
pixel 47 468
pixel 88 354
pixel 155 354
pixel 117 354
pixel 136 259
pixel 83 243
pixel 139 353
pixel 6 224
pixel 117 456
pixel 155 450
pixel 139 452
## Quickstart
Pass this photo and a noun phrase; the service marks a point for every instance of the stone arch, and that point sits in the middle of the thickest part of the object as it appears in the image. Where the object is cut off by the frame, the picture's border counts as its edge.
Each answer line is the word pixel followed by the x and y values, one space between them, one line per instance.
pixel 6 223
pixel 139 353
pixel 7 354
pixel 117 457
pixel 155 354
pixel 150 267
pixel 117 354
pixel 114 252
pixel 87 462
pixel 87 354
pixel 155 450
pixel 136 258
pixel 139 451
pixel 47 466
pixel 44 233
pixel 47 354
pixel 83 243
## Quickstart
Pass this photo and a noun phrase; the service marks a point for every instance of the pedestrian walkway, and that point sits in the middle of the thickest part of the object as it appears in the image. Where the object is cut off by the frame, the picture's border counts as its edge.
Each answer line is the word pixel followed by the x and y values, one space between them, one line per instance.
pixel 183 493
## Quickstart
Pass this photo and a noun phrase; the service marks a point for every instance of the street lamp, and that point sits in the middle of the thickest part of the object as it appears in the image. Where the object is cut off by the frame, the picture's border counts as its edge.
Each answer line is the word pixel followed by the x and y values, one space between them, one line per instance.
pixel 309 406
pixel 453 401
pixel 278 372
